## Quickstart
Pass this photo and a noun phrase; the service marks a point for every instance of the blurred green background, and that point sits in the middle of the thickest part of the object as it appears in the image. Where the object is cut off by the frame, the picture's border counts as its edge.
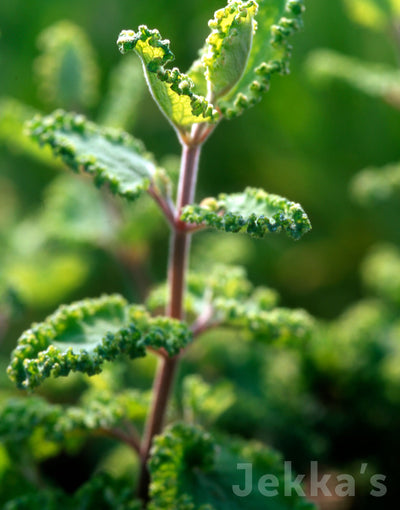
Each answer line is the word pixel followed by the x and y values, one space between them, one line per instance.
pixel 303 141
pixel 306 140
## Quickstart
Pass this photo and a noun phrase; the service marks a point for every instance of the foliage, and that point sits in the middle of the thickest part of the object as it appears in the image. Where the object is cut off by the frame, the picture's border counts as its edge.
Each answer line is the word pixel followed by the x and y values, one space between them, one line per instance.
pixel 111 157
pixel 254 211
pixel 193 470
pixel 226 298
pixel 234 79
pixel 181 466
pixel 82 336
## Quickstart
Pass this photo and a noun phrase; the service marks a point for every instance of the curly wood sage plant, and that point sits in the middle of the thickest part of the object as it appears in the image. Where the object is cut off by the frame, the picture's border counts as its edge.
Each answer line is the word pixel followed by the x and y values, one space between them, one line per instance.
pixel 183 466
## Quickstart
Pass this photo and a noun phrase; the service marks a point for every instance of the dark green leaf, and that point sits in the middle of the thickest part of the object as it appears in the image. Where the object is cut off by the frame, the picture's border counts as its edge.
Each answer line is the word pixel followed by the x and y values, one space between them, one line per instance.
pixel 80 337
pixel 192 471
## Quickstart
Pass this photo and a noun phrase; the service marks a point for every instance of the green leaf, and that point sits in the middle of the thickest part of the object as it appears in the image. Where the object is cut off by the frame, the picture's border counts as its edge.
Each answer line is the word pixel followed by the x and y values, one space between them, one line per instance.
pixel 376 80
pixel 80 337
pixel 224 297
pixel 192 471
pixel 254 212
pixel 270 53
pixel 279 324
pixel 171 89
pixel 228 46
pixel 109 155
pixel 66 69
pixel 374 186
pixel 204 289
pixel 21 419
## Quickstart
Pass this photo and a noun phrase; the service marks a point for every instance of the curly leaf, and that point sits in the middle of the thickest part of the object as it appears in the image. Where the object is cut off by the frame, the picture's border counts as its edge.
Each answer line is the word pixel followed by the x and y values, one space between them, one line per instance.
pixel 377 80
pixel 377 185
pixel 192 471
pixel 171 89
pixel 228 46
pixel 280 324
pixel 270 53
pixel 110 156
pixel 66 69
pixel 254 212
pixel 80 337
pixel 20 418
pixel 203 289
pixel 224 297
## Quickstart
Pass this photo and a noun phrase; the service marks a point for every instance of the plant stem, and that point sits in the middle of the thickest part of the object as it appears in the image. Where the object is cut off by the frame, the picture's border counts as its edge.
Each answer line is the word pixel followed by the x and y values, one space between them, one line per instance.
pixel 177 266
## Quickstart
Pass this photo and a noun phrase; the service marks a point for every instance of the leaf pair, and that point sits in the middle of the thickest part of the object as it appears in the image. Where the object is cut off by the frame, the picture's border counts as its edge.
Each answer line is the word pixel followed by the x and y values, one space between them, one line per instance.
pixel 116 158
pixel 247 44
pixel 190 470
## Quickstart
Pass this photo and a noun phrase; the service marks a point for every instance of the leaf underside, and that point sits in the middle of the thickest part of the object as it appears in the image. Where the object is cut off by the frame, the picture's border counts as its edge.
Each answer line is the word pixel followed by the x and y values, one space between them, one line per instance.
pixel 227 48
pixel 109 155
pixel 270 54
pixel 254 212
pixel 191 470
pixel 80 337
pixel 171 89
